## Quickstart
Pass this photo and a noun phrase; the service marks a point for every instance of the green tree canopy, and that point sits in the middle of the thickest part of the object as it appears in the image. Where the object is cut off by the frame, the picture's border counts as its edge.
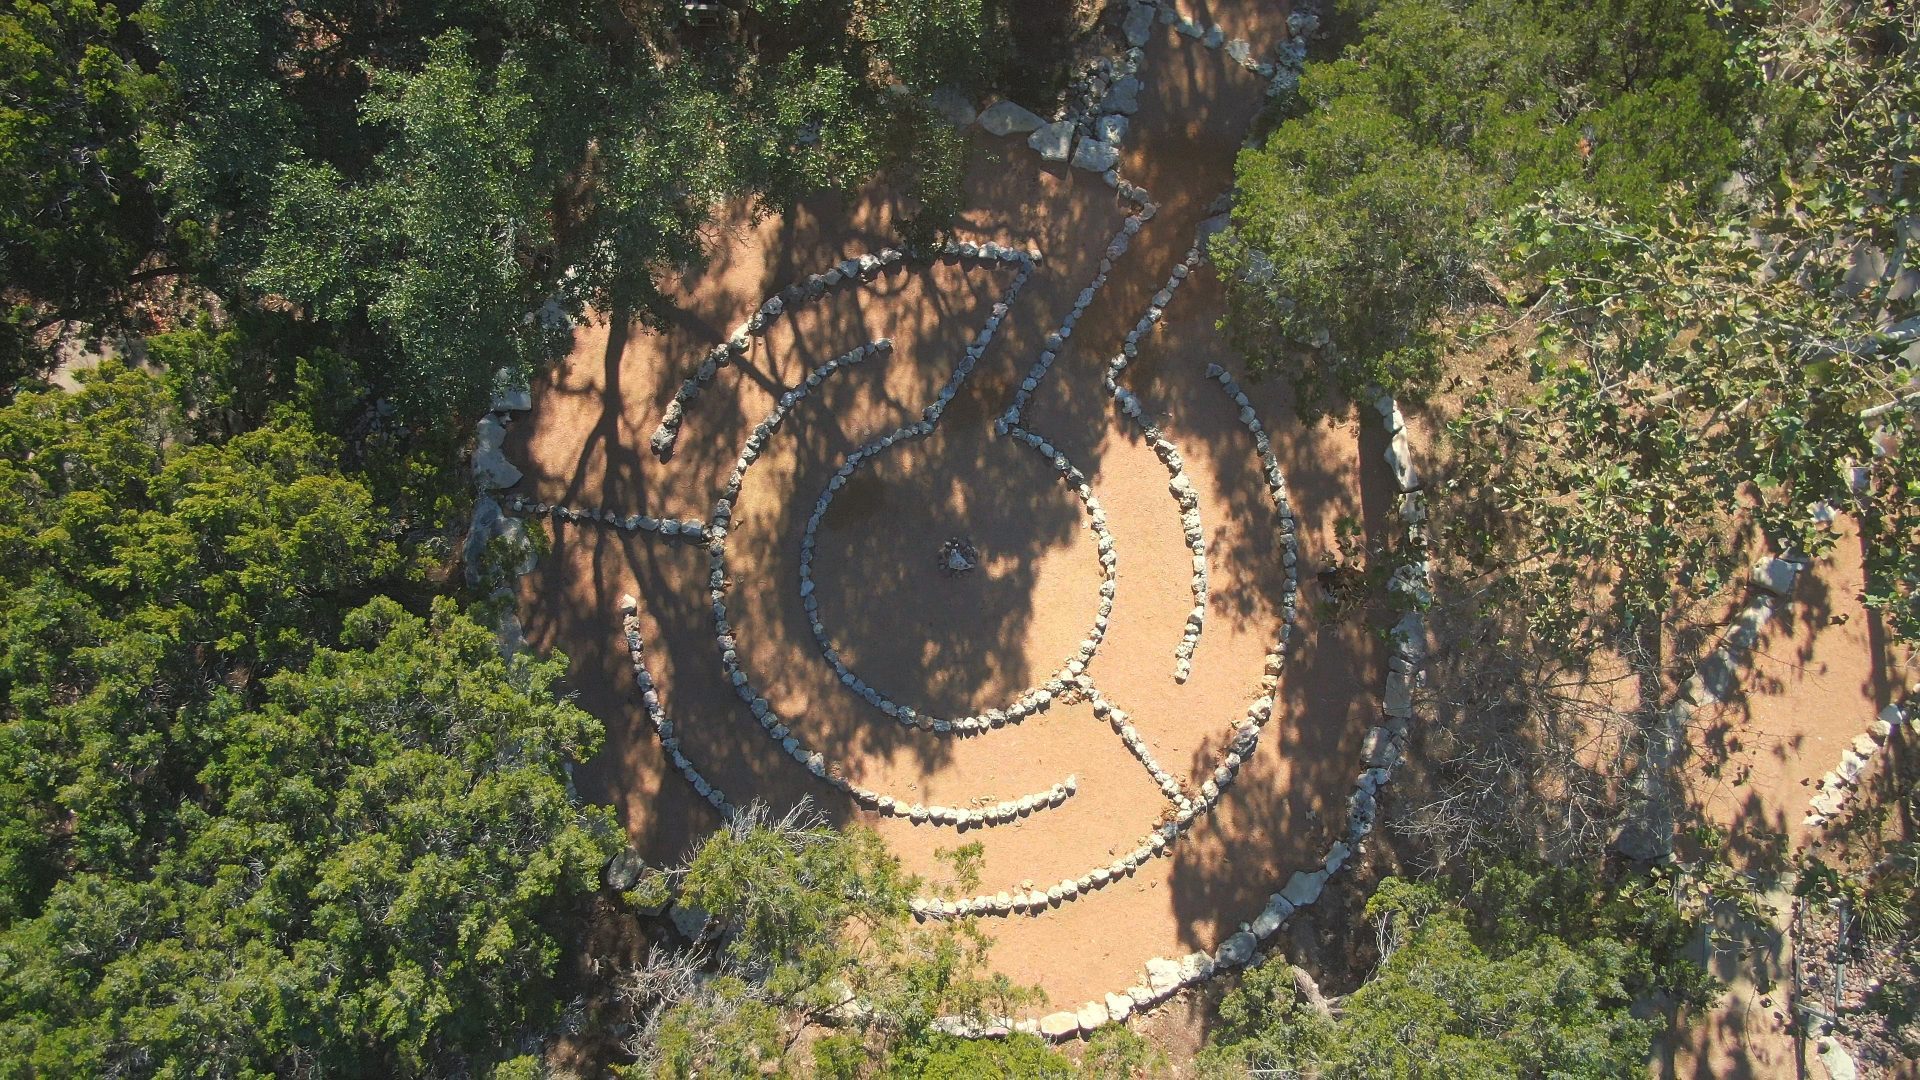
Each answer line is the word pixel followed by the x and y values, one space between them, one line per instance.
pixel 80 218
pixel 1528 974
pixel 1354 223
pixel 442 184
pixel 371 878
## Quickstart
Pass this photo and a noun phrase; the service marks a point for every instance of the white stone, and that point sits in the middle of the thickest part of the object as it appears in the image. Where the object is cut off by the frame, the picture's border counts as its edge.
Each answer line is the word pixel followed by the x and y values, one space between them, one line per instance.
pixel 491 469
pixel 690 921
pixel 1236 950
pixel 1054 141
pixel 1304 887
pixel 1009 118
pixel 1060 1025
pixel 1163 975
pixel 1775 576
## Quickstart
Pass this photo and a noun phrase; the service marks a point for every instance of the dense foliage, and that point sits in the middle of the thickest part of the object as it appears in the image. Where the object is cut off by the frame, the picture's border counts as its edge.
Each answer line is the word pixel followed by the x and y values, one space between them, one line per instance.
pixel 422 178
pixel 1697 371
pixel 80 218
pixel 1354 223
pixel 815 929
pixel 224 844
pixel 1531 973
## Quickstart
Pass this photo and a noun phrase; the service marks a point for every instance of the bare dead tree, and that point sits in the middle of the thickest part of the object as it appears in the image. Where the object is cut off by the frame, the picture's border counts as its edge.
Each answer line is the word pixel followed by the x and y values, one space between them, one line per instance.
pixel 1529 747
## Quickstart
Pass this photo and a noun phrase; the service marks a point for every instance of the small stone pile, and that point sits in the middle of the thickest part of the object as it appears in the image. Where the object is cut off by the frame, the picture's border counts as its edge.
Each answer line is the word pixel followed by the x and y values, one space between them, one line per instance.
pixel 957 557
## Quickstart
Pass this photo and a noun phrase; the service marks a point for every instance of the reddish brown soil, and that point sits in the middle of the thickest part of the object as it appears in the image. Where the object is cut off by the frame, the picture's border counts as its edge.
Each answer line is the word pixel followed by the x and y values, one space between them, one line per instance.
pixel 1821 672
pixel 973 641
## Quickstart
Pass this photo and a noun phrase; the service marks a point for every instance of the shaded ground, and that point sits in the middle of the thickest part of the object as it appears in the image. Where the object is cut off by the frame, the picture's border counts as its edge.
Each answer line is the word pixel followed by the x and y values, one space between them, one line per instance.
pixel 973 641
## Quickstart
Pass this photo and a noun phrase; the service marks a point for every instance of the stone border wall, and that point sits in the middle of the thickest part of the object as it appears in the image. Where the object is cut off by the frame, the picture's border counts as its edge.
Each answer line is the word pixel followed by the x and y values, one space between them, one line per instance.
pixel 1095 150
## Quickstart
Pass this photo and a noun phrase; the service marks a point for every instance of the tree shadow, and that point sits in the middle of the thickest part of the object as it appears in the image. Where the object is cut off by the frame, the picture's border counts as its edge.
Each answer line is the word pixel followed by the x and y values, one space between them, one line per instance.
pixel 960 644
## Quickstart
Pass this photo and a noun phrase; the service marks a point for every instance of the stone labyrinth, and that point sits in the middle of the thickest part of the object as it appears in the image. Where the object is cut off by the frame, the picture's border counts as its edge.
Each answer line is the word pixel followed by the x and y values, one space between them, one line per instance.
pixel 1188 797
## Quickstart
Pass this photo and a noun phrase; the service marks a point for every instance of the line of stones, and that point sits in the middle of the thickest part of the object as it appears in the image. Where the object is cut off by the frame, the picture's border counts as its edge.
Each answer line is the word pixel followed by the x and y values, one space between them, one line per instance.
pixel 1037 699
pixel 668 736
pixel 1292 53
pixel 714 534
pixel 1030 702
pixel 763 712
pixel 1381 752
pixel 1650 834
pixel 1101 122
pixel 1837 786
pixel 1033 901
pixel 1773 581
pixel 1169 455
pixel 1178 485
pixel 854 268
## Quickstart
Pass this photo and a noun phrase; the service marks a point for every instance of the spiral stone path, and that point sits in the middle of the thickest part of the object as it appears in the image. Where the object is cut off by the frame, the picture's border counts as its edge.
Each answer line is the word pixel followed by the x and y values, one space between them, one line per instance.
pixel 1125 697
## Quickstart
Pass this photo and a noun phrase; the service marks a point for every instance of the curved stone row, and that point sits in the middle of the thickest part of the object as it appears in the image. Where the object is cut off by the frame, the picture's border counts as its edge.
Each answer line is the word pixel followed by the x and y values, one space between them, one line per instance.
pixel 1292 52
pixel 669 740
pixel 1839 783
pixel 763 712
pixel 1055 341
pixel 855 268
pixel 1030 900
pixel 1773 580
pixel 1179 485
pixel 1122 724
pixel 1033 901
pixel 663 728
pixel 1381 751
pixel 1030 702
pixel 1276 488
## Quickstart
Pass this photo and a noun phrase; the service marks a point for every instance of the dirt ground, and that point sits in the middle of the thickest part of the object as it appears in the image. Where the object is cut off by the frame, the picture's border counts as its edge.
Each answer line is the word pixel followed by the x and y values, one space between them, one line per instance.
pixel 965 643
pixel 961 644
pixel 1821 671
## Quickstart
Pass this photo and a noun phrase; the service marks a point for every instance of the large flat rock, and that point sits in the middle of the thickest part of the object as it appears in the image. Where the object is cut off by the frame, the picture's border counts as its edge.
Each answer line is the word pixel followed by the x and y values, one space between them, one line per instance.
pixel 1054 141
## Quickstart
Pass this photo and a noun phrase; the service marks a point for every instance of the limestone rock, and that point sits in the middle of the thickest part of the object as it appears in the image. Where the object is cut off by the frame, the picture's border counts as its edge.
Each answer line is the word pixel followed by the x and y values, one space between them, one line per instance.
pixel 1304 887
pixel 1095 156
pixel 949 102
pixel 1112 129
pixel 486 519
pixel 1123 97
pixel 1838 1062
pixel 1399 457
pixel 1053 141
pixel 1163 975
pixel 624 869
pixel 691 921
pixel 1235 951
pixel 1399 696
pixel 489 433
pixel 1775 576
pixel 508 393
pixel 491 469
pixel 1060 1025
pixel 1092 1016
pixel 1009 118
pixel 1139 24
